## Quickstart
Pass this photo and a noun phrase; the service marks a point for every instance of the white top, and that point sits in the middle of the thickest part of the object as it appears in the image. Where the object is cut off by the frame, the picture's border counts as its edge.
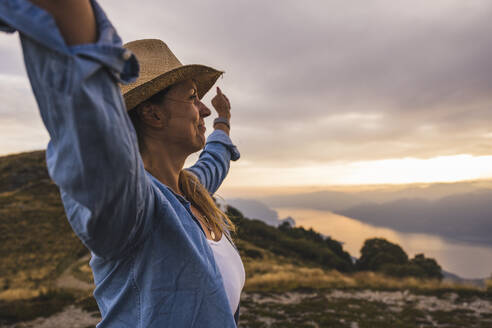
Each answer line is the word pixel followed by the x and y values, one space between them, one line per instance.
pixel 231 268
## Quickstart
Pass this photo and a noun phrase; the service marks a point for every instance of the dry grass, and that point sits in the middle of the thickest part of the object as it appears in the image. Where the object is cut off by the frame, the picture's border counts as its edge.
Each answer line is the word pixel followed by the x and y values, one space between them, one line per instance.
pixel 277 274
pixel 268 275
pixel 488 284
pixel 38 243
pixel 21 294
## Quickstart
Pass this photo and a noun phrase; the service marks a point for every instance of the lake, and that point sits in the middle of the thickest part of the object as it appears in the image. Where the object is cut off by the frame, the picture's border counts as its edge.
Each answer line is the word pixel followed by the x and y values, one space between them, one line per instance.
pixel 466 260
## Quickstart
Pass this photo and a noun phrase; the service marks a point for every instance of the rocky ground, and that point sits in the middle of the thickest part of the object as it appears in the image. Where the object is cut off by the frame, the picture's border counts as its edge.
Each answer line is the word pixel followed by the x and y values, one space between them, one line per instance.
pixel 364 308
pixel 330 308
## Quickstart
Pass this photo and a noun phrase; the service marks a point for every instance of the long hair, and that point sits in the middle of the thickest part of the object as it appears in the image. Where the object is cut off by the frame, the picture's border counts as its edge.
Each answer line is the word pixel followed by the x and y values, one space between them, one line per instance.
pixel 196 193
pixel 189 184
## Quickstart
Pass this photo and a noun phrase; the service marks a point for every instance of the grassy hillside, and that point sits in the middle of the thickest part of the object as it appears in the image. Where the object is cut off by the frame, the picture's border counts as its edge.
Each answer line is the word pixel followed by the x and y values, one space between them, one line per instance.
pixel 36 243
pixel 294 277
pixel 303 247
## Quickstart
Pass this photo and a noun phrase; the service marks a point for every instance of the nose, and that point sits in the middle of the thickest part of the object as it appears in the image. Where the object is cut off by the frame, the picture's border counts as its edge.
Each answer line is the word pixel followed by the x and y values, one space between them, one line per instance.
pixel 203 110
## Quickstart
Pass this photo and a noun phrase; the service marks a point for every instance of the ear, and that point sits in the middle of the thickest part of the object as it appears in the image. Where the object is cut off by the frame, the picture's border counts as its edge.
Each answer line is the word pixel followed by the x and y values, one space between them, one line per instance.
pixel 150 115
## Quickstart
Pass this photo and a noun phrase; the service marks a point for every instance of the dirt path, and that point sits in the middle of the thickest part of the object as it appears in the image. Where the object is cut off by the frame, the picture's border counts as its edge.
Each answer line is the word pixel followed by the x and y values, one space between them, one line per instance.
pixel 68 281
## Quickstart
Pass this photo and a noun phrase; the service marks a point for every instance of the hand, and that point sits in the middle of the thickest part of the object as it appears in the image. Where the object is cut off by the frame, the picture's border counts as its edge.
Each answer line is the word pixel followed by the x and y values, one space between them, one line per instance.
pixel 222 104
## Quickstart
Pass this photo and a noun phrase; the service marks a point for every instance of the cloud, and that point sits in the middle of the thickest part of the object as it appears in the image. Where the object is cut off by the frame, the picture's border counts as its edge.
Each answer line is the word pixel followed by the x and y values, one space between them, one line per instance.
pixel 333 81
pixel 21 128
pixel 12 60
pixel 340 200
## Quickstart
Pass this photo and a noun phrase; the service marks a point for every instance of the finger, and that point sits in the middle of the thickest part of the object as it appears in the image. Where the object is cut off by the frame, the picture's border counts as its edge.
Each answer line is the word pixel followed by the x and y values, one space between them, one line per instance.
pixel 228 102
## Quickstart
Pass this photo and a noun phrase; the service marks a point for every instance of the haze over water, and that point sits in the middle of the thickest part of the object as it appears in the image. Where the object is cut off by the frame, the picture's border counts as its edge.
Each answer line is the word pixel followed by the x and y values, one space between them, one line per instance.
pixel 466 260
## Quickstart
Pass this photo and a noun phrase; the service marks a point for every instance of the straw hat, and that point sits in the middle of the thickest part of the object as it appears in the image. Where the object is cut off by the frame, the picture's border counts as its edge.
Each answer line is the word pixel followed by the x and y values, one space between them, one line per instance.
pixel 159 68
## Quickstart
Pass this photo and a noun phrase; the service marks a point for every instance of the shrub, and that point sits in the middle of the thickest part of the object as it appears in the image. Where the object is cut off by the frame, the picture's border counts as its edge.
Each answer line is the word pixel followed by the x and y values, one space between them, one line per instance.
pixel 402 270
pixel 378 252
pixel 380 255
pixel 428 266
pixel 294 243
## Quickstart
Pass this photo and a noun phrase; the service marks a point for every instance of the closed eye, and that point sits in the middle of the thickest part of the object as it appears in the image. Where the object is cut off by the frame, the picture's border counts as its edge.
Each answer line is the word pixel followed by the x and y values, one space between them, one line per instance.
pixel 194 96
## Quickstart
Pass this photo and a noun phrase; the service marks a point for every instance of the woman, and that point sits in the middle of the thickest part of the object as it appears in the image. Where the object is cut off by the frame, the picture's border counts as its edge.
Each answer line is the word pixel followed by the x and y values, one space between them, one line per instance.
pixel 160 250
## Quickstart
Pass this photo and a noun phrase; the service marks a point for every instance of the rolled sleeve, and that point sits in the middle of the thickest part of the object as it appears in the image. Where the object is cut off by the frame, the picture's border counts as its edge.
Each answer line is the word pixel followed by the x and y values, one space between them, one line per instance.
pixel 92 155
pixel 219 136
pixel 214 161
pixel 32 22
pixel 108 50
pixel 37 25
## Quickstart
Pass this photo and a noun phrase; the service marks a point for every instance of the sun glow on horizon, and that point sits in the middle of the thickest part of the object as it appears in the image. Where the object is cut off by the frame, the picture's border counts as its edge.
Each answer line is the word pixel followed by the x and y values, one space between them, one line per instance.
pixel 391 171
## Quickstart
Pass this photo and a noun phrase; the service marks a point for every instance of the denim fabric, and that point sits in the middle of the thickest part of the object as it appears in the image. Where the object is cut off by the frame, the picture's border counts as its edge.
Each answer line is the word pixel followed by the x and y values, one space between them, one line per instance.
pixel 151 262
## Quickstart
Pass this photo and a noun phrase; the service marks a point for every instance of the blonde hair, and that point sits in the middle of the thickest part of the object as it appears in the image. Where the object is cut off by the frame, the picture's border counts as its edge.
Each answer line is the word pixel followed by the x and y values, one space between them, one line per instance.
pixel 196 193
pixel 189 184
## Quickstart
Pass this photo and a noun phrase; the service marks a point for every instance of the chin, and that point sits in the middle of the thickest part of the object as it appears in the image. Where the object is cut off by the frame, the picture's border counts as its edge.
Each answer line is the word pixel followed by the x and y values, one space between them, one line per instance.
pixel 198 145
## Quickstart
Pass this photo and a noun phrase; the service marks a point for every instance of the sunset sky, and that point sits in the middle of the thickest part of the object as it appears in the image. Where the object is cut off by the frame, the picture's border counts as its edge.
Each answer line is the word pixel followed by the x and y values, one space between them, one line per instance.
pixel 322 92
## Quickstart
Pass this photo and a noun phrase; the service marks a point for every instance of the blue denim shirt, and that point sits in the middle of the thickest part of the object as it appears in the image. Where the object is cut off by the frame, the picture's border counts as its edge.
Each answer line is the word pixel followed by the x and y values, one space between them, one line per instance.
pixel 152 264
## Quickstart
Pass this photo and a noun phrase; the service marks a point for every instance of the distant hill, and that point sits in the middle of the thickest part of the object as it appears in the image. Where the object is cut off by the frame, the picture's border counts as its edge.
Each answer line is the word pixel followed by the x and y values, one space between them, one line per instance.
pixel 38 244
pixel 448 276
pixel 255 209
pixel 343 198
pixel 460 211
pixel 463 217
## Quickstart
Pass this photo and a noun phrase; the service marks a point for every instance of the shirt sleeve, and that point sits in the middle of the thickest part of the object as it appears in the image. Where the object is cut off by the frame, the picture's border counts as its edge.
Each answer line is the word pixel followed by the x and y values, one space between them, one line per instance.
pixel 92 155
pixel 214 161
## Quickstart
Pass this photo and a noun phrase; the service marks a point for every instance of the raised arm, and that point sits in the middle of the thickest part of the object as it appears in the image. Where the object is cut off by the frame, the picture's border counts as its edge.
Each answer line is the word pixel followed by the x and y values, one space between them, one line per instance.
pixel 214 161
pixel 92 155
pixel 75 19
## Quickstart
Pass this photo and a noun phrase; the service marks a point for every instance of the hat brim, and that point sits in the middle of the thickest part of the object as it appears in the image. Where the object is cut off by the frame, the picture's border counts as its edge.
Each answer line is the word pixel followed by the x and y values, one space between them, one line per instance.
pixel 204 77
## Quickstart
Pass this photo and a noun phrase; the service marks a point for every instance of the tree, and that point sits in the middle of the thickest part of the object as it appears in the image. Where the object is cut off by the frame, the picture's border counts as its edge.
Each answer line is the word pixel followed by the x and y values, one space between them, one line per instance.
pixel 429 266
pixel 378 252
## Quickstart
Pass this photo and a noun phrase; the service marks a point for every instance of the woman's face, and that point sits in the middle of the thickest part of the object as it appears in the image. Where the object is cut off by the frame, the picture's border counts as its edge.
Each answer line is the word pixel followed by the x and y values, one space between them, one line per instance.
pixel 185 126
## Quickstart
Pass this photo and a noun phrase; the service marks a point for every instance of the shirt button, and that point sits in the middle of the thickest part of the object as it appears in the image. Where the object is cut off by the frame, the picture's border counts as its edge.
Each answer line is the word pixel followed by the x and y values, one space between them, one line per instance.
pixel 126 54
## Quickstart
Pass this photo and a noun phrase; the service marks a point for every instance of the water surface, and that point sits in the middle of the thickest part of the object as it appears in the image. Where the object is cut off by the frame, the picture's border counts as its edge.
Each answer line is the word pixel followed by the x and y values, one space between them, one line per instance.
pixel 465 260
